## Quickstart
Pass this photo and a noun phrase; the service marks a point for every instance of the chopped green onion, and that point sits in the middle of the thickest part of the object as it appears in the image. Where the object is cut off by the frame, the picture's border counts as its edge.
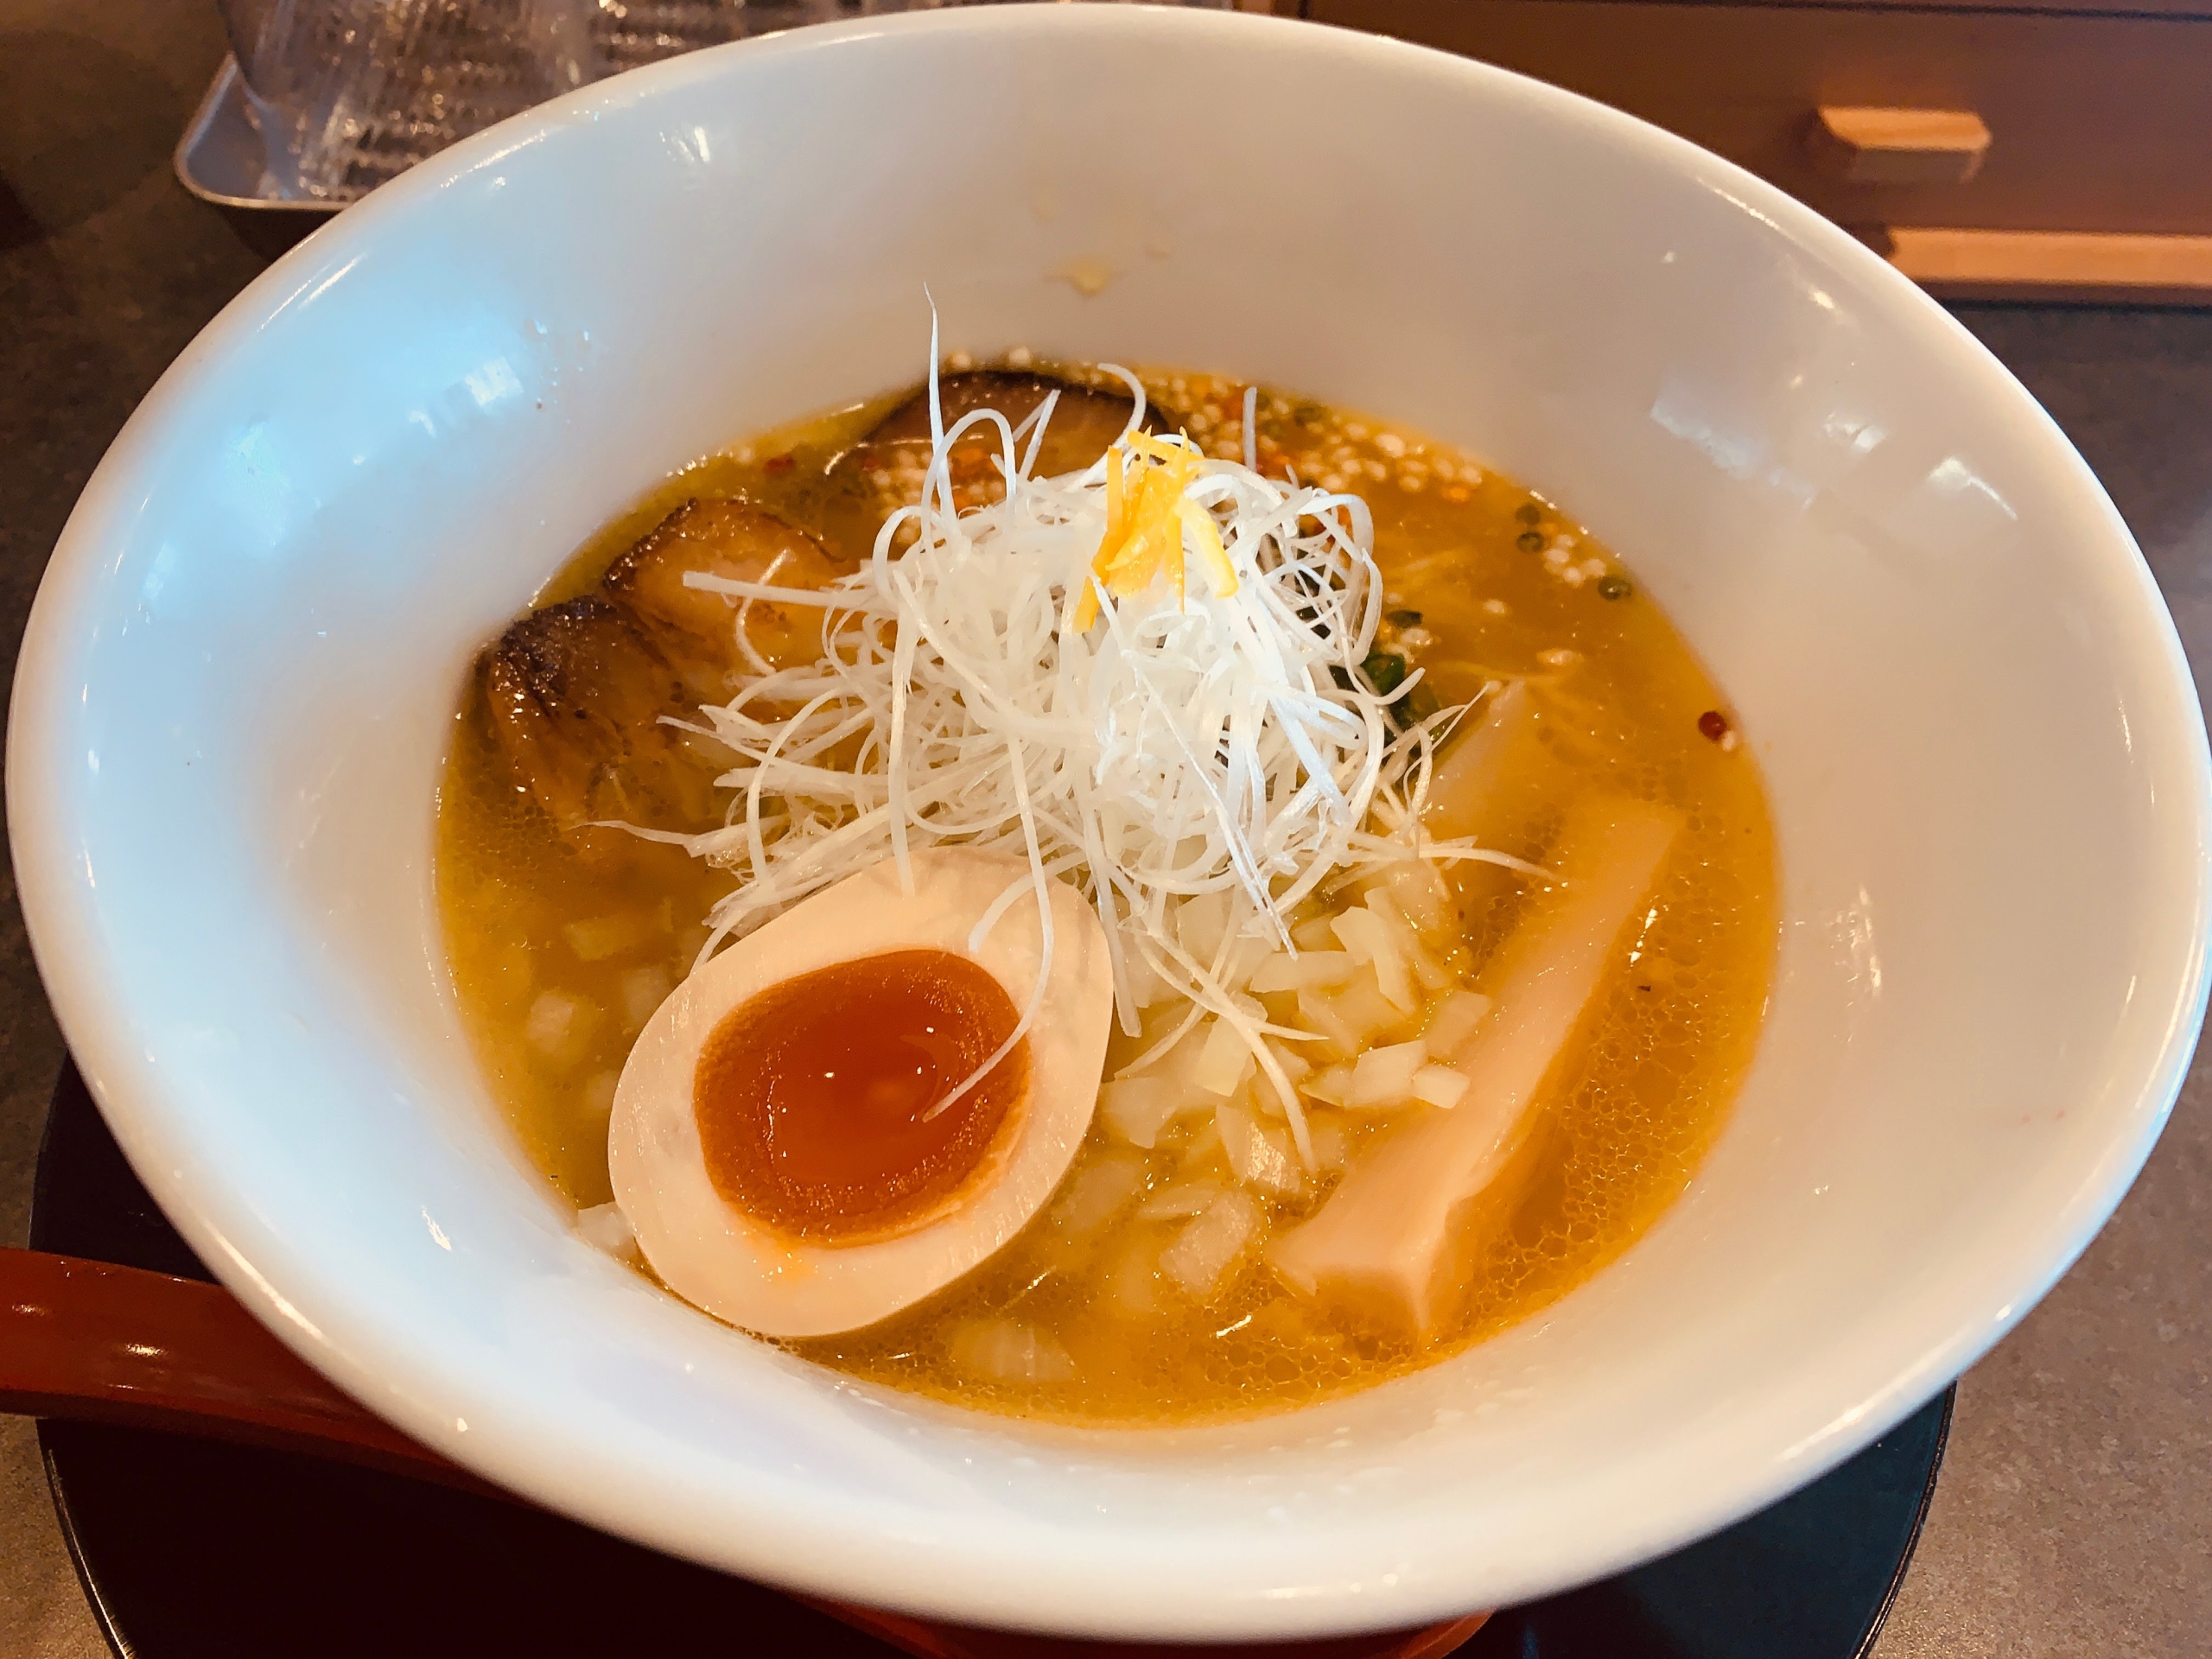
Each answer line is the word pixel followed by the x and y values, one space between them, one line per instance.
pixel 1385 671
pixel 1415 706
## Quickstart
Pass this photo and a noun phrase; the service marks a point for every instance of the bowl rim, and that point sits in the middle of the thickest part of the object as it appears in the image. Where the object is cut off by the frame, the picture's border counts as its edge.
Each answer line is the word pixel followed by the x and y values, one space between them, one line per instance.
pixel 939 1576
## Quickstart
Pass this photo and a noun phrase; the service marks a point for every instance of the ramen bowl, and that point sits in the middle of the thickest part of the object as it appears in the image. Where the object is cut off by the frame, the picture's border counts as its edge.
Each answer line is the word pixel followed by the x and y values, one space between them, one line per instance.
pixel 1986 761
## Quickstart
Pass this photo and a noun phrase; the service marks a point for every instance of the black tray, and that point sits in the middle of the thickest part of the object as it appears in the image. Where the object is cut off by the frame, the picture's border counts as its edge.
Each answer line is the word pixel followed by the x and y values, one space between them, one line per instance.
pixel 193 1547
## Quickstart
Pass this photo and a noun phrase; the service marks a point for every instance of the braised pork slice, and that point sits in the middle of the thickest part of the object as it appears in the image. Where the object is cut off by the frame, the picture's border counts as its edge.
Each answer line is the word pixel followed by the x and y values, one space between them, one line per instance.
pixel 575 693
pixel 1084 423
pixel 696 629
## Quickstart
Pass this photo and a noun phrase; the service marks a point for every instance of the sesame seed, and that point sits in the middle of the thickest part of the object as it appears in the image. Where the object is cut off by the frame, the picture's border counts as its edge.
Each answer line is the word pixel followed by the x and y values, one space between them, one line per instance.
pixel 1355 431
pixel 1593 568
pixel 1559 657
pixel 1495 606
pixel 1391 445
pixel 1456 493
pixel 960 362
pixel 1334 483
pixel 1728 741
pixel 1376 470
pixel 1412 483
pixel 1020 357
pixel 1416 639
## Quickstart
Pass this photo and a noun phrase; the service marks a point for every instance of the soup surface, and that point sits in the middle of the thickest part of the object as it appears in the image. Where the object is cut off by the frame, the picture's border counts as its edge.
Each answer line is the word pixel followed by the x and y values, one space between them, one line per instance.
pixel 1109 1307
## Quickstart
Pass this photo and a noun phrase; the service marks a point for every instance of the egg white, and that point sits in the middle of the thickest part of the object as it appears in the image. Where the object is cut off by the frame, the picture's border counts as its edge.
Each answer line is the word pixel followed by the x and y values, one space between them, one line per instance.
pixel 714 1254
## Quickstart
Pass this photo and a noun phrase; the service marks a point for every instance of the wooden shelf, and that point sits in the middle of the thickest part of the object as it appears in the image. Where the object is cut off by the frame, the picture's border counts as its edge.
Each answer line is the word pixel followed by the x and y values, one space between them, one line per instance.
pixel 1960 264
pixel 2015 150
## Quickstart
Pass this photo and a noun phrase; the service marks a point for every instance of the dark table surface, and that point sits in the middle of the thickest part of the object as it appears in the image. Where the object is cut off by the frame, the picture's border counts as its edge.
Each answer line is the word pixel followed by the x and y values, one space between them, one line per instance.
pixel 2075 1514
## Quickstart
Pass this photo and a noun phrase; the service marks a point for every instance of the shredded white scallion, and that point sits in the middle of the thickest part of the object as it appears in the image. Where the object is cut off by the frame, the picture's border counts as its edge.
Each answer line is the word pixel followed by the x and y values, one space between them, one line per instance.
pixel 1204 743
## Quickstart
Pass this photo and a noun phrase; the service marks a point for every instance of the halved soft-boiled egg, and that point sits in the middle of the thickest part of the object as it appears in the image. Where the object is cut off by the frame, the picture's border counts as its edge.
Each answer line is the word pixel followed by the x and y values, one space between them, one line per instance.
pixel 788 1143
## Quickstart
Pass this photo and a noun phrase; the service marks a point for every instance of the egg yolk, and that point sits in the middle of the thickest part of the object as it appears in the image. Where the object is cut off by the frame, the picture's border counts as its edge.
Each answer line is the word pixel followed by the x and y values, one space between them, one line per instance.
pixel 814 1098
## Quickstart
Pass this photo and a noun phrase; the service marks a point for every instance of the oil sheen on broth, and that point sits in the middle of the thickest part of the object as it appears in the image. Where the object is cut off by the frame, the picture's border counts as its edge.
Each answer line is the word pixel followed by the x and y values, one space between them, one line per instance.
pixel 559 956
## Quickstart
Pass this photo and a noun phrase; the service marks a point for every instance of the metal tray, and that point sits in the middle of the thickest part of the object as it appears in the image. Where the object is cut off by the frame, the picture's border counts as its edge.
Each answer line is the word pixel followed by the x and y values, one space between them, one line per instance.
pixel 220 160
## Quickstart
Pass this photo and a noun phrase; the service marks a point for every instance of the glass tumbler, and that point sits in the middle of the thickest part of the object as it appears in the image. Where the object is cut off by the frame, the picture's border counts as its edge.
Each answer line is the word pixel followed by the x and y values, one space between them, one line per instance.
pixel 347 93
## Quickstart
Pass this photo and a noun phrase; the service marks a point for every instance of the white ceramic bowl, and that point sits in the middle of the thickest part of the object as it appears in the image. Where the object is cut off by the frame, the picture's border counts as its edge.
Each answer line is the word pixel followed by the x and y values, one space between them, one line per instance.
pixel 1986 757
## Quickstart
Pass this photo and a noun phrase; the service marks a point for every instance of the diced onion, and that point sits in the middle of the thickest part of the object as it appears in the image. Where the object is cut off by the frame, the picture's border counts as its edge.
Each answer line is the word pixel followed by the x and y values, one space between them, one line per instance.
pixel 1224 1060
pixel 604 1228
pixel 1307 970
pixel 1332 1087
pixel 1368 939
pixel 1254 1157
pixel 1384 1076
pixel 1452 1019
pixel 558 1026
pixel 1002 1350
pixel 1439 1085
pixel 1099 1192
pixel 1178 1203
pixel 1207 1251
pixel 1137 1109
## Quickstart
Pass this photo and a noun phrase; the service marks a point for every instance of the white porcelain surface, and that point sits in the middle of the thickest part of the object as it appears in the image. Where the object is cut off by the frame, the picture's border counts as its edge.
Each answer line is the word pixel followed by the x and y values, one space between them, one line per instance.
pixel 1986 757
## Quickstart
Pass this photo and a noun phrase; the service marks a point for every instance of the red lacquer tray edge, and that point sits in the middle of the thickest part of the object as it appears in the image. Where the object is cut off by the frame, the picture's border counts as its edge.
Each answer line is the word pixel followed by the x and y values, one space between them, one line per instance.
pixel 95 1342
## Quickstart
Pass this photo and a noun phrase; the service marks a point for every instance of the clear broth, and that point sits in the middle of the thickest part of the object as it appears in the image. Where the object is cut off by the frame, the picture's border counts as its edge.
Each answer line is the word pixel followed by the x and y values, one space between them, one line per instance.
pixel 1506 589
